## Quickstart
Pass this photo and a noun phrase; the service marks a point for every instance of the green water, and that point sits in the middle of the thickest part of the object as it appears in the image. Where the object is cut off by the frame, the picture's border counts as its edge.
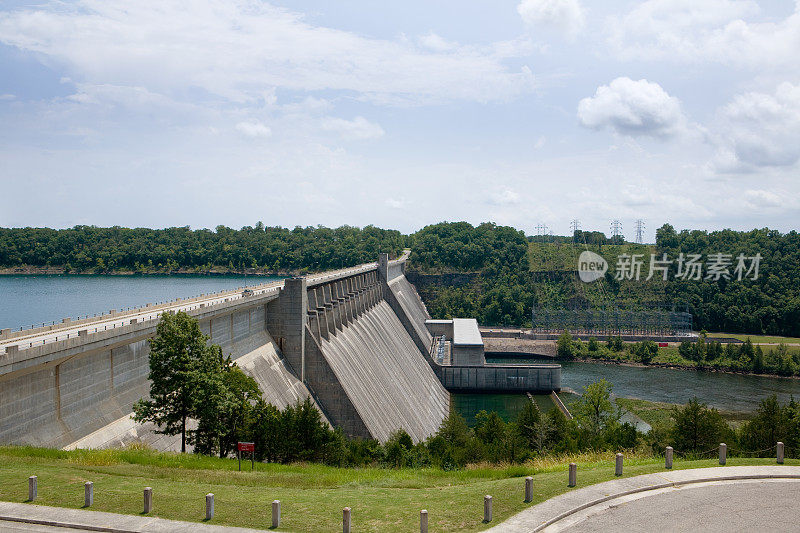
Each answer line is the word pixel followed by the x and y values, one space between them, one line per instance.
pixel 730 392
pixel 506 405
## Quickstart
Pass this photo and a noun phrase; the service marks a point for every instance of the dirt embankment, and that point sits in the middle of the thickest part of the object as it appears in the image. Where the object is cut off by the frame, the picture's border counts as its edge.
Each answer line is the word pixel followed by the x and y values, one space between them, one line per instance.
pixel 510 345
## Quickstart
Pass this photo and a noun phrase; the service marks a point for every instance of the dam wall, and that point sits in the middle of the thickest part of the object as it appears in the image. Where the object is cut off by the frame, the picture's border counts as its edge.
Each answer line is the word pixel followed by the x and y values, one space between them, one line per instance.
pixel 346 339
pixel 80 392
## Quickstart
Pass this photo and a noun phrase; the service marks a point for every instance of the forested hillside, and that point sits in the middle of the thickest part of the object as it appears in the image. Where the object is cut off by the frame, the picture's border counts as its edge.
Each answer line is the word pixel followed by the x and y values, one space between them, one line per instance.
pixel 512 275
pixel 93 249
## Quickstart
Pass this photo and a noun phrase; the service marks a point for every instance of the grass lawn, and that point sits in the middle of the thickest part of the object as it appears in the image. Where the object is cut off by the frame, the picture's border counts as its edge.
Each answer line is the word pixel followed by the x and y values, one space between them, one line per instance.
pixel 757 339
pixel 312 496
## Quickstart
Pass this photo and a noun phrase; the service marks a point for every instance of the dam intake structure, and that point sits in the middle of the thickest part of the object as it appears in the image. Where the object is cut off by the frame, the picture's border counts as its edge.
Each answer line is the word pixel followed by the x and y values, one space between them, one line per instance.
pixel 354 341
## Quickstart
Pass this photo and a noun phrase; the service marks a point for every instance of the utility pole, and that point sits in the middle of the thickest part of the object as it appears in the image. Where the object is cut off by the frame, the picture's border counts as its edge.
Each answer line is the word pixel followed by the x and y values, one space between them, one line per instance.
pixel 640 231
pixel 616 231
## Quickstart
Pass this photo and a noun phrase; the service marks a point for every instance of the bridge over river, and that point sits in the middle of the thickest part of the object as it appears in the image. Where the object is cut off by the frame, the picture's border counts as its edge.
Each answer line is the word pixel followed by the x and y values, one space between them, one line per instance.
pixel 353 340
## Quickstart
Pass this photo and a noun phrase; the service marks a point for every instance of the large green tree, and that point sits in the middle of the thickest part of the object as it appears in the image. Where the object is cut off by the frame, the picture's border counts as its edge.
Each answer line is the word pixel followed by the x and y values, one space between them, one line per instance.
pixel 181 363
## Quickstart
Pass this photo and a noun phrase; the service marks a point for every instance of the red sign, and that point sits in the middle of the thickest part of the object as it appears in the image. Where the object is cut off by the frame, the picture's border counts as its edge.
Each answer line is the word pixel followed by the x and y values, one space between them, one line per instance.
pixel 663 344
pixel 245 446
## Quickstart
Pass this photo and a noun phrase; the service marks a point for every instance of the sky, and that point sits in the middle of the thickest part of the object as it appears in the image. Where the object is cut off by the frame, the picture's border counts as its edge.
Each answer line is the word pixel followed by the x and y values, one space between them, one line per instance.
pixel 401 114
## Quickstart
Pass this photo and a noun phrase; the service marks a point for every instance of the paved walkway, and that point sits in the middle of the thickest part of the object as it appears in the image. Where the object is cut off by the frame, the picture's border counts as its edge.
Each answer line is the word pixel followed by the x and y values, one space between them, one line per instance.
pixel 734 498
pixel 31 517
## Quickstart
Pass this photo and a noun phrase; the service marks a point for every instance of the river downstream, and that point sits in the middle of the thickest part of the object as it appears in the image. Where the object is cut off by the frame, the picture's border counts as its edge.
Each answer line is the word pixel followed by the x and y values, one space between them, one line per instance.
pixel 729 392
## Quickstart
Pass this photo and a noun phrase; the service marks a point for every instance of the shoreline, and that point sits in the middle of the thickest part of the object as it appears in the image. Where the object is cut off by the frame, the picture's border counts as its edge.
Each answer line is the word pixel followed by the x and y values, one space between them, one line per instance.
pixel 61 271
pixel 674 367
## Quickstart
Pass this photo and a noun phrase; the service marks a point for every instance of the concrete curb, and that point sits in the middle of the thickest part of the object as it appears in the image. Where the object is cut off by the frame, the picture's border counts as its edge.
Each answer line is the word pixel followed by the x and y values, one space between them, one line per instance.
pixel 85 520
pixel 540 516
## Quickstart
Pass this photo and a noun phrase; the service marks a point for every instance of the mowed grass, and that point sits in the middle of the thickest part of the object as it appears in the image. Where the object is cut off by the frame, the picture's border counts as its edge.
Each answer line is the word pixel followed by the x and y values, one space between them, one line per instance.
pixel 312 496
pixel 757 339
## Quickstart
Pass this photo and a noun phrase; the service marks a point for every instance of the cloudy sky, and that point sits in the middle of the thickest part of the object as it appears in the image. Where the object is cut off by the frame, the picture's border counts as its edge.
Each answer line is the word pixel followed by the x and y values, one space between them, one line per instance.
pixel 400 114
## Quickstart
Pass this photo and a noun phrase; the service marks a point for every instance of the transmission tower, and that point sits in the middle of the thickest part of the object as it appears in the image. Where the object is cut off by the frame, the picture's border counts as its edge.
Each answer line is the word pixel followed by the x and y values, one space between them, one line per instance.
pixel 541 231
pixel 616 230
pixel 575 226
pixel 640 231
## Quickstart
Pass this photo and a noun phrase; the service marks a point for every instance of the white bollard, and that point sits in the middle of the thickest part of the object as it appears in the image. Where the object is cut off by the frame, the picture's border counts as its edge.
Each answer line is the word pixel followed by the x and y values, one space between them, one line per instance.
pixel 487 508
pixel 723 453
pixel 88 494
pixel 528 489
pixel 148 500
pixel 780 451
pixel 276 513
pixel 346 520
pixel 668 458
pixel 618 465
pixel 423 521
pixel 32 488
pixel 209 506
pixel 573 474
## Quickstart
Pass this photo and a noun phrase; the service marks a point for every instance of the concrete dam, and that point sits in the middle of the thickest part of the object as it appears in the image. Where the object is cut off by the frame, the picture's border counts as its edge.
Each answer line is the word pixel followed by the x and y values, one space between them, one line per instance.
pixel 354 341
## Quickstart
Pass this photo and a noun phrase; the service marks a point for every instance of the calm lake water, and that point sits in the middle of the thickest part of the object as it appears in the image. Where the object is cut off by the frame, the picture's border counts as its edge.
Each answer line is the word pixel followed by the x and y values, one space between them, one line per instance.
pixel 29 300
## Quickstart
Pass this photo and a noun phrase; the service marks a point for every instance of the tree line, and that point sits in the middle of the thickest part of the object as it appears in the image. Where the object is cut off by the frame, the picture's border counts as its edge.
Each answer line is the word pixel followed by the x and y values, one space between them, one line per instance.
pixel 504 290
pixel 275 249
pixel 702 353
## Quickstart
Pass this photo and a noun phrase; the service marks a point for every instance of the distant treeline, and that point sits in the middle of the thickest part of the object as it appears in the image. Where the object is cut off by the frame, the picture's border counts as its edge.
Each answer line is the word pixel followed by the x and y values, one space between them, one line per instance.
pixel 93 249
pixel 499 257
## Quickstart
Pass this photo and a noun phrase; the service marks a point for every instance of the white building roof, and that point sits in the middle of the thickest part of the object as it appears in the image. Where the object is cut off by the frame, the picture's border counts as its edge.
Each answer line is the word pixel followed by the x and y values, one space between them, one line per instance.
pixel 466 333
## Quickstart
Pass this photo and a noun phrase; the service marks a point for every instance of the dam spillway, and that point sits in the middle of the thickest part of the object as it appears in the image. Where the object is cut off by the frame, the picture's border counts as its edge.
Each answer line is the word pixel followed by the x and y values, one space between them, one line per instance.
pixel 380 369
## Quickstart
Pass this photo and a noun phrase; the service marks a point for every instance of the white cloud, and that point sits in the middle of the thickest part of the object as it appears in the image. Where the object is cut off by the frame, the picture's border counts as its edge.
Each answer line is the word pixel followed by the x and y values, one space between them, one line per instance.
pixel 357 129
pixel 505 197
pixel 395 203
pixel 237 49
pixel 566 16
pixel 437 43
pixel 633 108
pixel 7 96
pixel 762 198
pixel 254 129
pixel 760 130
pixel 709 30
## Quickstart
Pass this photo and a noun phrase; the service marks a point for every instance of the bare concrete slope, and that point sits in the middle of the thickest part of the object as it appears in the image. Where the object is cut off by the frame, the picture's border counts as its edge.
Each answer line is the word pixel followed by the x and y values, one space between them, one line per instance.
pixel 385 376
pixel 413 307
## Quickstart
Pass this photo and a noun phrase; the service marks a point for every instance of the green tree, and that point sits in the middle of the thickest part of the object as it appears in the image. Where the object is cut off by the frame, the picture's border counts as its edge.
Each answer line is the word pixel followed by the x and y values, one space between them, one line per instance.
pixel 767 427
pixel 564 346
pixel 594 411
pixel 697 427
pixel 179 358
